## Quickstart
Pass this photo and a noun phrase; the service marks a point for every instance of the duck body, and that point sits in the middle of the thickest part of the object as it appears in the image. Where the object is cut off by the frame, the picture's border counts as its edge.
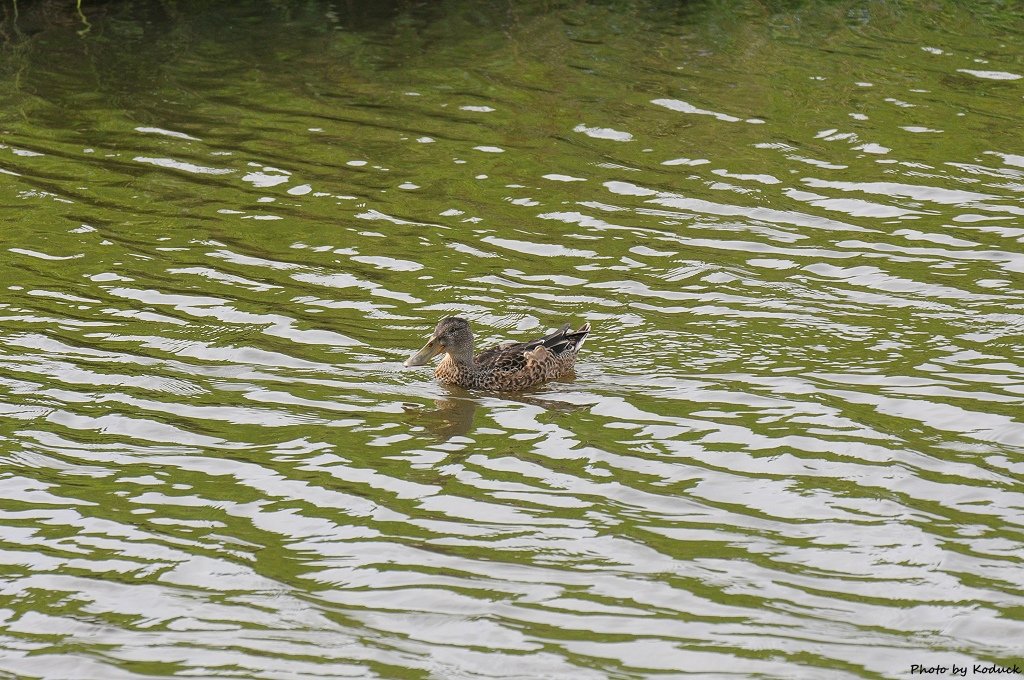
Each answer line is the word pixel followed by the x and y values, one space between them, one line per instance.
pixel 509 367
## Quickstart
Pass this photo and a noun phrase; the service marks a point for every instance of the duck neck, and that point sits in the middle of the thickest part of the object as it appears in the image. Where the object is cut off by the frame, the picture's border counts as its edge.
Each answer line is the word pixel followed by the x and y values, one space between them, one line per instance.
pixel 462 355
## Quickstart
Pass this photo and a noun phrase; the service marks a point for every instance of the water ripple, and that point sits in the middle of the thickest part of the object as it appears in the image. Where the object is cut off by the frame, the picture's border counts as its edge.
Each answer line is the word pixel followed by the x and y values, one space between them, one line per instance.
pixel 791 448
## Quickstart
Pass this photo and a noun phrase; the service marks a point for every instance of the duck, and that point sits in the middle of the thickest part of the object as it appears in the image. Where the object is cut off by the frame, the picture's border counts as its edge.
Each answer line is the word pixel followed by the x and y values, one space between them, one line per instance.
pixel 510 367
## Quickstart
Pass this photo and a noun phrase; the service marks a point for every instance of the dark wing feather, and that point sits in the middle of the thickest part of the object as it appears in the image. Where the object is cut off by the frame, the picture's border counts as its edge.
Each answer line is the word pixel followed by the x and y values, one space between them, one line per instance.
pixel 511 356
pixel 562 340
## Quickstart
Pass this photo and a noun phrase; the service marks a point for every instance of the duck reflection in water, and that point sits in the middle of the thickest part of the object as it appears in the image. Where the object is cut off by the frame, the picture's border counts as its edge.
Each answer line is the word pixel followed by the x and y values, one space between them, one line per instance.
pixel 454 413
pixel 509 367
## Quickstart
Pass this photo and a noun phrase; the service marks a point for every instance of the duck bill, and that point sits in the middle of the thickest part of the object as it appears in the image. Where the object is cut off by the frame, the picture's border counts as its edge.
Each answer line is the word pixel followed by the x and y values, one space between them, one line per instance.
pixel 429 351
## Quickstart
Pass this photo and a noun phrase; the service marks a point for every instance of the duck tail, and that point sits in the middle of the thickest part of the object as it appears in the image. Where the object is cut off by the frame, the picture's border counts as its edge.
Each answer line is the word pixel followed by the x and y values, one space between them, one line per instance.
pixel 579 336
pixel 565 341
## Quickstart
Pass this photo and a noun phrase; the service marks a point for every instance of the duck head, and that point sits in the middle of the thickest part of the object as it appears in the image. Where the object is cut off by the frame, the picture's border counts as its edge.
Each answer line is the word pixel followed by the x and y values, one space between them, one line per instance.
pixel 451 336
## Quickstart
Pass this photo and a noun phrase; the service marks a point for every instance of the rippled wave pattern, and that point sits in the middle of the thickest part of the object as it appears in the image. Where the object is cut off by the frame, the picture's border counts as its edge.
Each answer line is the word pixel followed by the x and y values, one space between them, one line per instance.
pixel 792 447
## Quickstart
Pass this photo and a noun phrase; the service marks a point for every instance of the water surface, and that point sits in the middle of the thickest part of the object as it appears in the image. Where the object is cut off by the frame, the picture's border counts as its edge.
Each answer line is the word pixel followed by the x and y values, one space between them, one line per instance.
pixel 792 447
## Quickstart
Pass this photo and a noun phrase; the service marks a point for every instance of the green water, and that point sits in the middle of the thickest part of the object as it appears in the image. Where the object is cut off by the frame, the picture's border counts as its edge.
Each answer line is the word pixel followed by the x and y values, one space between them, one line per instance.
pixel 792 446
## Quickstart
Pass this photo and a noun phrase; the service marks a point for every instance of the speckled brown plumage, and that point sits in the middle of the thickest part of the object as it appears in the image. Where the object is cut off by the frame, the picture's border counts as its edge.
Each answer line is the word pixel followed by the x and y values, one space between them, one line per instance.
pixel 509 367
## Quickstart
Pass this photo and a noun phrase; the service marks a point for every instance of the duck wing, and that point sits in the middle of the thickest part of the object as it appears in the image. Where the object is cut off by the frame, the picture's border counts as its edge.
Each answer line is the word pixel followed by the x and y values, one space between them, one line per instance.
pixel 563 341
pixel 511 356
